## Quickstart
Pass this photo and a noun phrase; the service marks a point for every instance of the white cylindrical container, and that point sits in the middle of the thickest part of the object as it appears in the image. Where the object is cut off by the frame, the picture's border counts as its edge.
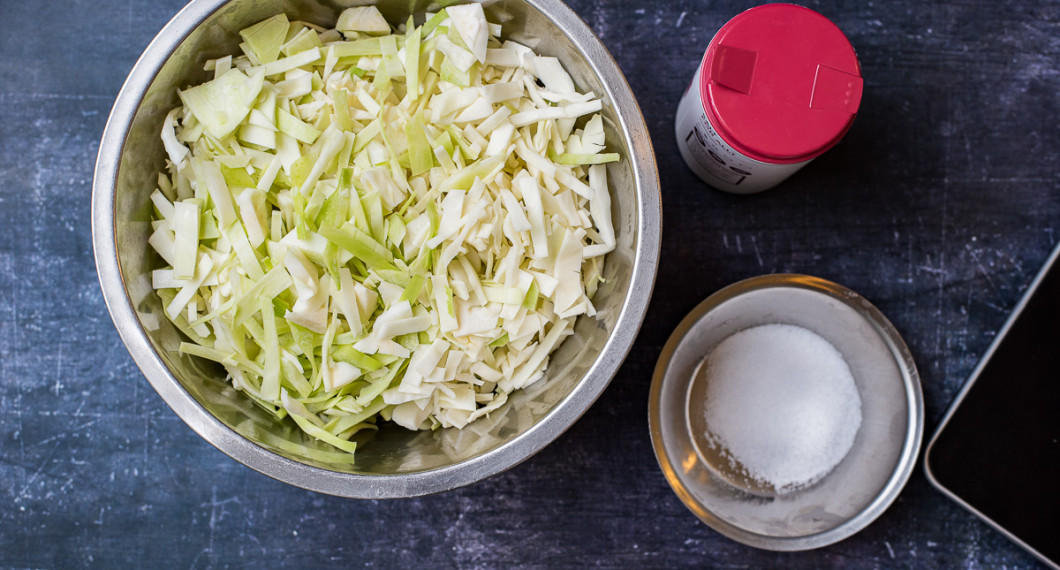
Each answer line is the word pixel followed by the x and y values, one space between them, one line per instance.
pixel 778 86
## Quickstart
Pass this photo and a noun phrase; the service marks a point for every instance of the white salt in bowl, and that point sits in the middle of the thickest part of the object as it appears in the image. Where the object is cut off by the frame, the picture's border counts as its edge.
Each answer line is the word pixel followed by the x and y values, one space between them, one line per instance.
pixel 864 482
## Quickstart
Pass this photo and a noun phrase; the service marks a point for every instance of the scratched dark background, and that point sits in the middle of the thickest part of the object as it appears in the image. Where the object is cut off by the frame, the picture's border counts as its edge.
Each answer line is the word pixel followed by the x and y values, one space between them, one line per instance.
pixel 939 206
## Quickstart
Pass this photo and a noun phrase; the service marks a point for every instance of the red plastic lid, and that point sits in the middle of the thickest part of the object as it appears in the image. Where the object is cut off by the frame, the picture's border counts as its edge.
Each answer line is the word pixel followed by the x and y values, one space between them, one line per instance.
pixel 781 83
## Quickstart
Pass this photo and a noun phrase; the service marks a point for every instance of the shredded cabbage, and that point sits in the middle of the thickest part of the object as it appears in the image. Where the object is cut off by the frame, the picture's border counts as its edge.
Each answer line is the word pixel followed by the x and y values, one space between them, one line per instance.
pixel 362 224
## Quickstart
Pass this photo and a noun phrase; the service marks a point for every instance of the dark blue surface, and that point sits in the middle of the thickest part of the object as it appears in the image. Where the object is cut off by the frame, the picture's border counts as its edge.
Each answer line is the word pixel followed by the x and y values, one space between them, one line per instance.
pixel 939 206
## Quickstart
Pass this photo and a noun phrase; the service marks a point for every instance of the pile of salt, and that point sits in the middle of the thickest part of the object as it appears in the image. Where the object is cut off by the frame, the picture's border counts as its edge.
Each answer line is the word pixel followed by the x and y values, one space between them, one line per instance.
pixel 782 402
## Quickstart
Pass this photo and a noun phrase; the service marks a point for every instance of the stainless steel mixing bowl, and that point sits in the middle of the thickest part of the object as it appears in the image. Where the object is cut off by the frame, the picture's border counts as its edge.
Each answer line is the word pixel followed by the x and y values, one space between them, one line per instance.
pixel 394 462
pixel 858 489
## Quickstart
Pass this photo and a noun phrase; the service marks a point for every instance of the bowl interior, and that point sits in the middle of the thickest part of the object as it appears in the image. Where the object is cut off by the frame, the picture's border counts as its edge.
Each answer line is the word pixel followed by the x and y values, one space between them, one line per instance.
pixel 866 479
pixel 574 369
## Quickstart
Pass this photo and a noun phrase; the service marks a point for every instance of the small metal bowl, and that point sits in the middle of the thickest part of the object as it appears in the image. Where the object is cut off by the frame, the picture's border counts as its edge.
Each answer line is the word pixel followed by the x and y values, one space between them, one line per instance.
pixel 395 462
pixel 868 478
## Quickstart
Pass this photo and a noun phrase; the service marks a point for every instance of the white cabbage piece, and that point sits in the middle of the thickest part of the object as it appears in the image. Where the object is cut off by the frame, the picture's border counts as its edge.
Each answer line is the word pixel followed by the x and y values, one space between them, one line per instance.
pixel 366 19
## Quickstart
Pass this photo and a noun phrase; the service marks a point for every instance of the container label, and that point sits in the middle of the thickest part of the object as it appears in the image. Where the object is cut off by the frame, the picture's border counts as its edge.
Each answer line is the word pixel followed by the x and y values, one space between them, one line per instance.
pixel 712 159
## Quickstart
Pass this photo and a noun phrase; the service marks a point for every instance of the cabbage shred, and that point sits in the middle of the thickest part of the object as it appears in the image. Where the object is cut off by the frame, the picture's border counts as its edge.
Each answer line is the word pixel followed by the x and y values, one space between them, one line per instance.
pixel 366 223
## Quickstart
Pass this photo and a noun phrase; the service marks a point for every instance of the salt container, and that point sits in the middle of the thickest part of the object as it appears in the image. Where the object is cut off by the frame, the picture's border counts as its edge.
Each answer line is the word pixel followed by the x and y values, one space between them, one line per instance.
pixel 778 86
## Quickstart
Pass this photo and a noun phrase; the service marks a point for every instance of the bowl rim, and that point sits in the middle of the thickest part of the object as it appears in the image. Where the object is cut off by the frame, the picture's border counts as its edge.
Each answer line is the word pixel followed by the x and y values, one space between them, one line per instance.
pixel 914 427
pixel 647 244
